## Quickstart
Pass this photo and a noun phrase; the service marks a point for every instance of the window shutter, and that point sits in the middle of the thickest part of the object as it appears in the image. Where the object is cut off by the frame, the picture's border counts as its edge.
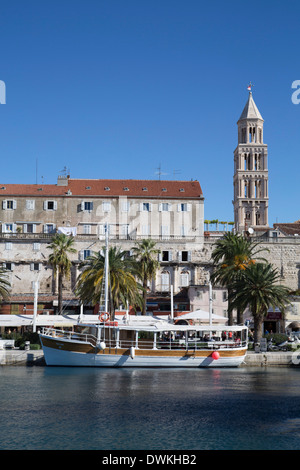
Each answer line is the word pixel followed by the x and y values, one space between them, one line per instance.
pixel 45 205
pixel 30 204
pixel 82 205
pixel 160 207
pixel 55 205
pixel 4 204
pixel 14 204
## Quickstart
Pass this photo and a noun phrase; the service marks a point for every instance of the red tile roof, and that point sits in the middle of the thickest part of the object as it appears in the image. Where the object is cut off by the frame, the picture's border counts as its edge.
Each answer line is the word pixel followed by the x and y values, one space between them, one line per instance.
pixel 289 228
pixel 108 188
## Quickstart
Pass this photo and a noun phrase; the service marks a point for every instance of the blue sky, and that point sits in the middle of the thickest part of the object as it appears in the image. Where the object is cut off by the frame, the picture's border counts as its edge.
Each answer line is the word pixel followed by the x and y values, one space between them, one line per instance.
pixel 119 88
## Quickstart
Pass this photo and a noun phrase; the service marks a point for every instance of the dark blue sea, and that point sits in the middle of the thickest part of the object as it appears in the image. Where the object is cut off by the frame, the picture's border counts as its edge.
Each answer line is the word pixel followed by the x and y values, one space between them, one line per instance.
pixel 155 409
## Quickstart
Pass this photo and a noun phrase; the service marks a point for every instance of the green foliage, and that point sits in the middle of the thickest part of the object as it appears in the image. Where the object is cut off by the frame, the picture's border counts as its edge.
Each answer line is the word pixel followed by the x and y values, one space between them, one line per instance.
pixel 61 246
pixel 145 264
pixel 122 284
pixel 20 339
pixel 232 254
pixel 277 338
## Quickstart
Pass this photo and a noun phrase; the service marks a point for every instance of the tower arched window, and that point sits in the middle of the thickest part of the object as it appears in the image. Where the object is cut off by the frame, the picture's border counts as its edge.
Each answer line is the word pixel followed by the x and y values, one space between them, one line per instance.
pixel 252 134
pixel 244 140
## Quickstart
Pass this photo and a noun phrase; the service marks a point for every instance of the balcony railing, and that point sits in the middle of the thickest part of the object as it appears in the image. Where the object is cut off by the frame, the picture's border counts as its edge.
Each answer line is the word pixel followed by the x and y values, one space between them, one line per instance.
pixel 81 236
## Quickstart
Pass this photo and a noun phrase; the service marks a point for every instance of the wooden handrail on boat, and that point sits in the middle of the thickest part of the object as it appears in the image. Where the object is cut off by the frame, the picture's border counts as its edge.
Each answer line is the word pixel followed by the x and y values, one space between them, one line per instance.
pixel 144 344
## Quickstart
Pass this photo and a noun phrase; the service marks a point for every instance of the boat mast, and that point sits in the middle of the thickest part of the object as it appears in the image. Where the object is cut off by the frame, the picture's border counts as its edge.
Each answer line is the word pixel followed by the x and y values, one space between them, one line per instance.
pixel 106 270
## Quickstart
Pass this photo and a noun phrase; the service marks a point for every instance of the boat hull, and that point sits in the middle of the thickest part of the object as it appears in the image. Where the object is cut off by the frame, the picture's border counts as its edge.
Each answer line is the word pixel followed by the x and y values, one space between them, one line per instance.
pixel 72 354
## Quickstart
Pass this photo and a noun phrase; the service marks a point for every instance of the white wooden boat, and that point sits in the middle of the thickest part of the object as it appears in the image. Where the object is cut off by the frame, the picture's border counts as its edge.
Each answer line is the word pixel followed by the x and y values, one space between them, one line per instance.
pixel 145 342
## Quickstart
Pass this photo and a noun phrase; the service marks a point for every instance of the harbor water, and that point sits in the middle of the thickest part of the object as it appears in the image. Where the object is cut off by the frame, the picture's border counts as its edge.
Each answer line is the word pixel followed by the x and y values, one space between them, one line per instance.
pixel 248 408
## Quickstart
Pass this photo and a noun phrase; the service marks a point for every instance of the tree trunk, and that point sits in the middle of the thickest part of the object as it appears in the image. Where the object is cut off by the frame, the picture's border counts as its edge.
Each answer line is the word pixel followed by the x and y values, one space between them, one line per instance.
pixel 258 321
pixel 144 297
pixel 230 313
pixel 239 316
pixel 60 288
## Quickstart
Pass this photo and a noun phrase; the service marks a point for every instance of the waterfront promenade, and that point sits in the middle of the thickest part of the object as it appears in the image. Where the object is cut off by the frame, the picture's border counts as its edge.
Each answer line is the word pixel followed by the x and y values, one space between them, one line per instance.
pixel 36 358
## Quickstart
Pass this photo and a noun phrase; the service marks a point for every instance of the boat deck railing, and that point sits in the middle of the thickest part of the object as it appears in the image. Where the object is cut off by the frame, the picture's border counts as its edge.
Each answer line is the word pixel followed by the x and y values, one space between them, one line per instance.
pixel 179 344
pixel 70 335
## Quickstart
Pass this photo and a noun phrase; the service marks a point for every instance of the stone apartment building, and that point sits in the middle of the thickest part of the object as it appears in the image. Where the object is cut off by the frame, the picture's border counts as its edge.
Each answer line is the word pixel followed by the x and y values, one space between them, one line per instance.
pixel 169 212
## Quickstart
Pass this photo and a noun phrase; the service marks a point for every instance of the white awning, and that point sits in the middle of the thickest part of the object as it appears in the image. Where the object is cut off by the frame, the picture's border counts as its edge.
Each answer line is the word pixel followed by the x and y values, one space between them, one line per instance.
pixel 202 316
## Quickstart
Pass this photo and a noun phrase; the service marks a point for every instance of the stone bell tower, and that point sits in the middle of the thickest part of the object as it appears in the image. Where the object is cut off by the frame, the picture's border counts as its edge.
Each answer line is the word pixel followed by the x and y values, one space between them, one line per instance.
pixel 250 172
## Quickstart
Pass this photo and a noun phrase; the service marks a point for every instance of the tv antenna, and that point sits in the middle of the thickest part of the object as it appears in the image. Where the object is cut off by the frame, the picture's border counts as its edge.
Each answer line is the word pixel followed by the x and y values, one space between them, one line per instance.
pixel 176 172
pixel 159 172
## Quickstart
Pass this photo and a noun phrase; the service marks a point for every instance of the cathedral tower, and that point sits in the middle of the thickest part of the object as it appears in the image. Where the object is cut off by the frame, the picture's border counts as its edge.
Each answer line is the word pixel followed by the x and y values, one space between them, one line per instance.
pixel 250 172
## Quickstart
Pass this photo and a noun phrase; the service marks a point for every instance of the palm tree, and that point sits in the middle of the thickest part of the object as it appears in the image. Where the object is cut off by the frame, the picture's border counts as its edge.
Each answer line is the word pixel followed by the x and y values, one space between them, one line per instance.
pixel 61 246
pixel 259 290
pixel 4 285
pixel 122 285
pixel 231 255
pixel 146 264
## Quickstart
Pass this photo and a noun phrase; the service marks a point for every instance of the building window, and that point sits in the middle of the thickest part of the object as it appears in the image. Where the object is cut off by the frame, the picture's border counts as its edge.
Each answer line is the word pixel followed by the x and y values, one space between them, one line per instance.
pixel 101 231
pixel 125 206
pixel 30 204
pixel 29 228
pixel 164 231
pixel 87 206
pixel 9 228
pixel 165 281
pixel 9 204
pixel 184 207
pixel 145 230
pixel 49 228
pixel 184 279
pixel 36 246
pixel 84 254
pixel 8 266
pixel 164 207
pixel 184 256
pixel 35 266
pixel 166 255
pixel 146 207
pixel 50 205
pixel 87 229
pixel 106 206
pixel 184 230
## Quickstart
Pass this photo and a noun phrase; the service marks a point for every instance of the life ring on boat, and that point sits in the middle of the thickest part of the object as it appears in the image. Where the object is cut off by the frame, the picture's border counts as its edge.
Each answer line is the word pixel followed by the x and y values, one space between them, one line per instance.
pixel 104 317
